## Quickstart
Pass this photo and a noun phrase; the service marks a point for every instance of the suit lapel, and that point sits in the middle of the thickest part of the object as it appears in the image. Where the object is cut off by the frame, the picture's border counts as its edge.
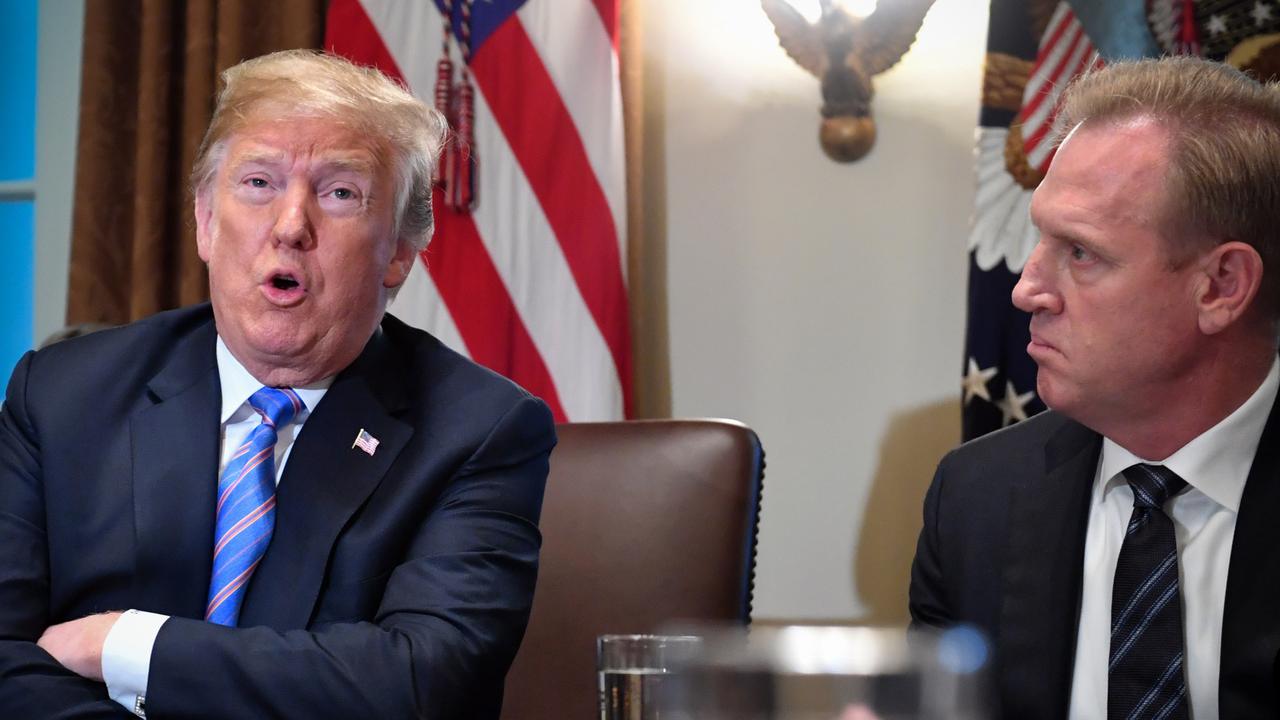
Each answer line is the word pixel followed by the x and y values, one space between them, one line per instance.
pixel 1042 577
pixel 1250 621
pixel 175 462
pixel 325 482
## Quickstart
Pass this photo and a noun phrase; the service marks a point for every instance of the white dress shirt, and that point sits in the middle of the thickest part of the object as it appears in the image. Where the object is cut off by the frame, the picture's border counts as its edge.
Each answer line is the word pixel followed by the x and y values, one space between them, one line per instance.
pixel 1215 465
pixel 126 653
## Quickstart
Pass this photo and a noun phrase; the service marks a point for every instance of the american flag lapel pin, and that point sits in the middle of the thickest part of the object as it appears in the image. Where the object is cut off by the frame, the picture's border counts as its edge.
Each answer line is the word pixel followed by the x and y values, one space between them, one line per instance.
pixel 365 442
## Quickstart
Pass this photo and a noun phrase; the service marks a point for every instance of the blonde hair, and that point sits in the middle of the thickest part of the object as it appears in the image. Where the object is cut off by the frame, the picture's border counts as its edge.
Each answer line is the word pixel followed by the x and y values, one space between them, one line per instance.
pixel 309 83
pixel 1224 148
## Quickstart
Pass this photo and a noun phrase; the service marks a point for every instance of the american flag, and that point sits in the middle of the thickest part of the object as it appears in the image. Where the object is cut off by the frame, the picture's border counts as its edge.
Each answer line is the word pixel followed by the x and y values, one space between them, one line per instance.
pixel 365 442
pixel 1065 52
pixel 531 282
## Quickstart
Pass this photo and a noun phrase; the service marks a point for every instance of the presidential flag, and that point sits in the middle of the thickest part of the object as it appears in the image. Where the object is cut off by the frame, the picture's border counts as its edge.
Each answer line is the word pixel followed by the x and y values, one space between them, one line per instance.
pixel 1034 48
pixel 526 271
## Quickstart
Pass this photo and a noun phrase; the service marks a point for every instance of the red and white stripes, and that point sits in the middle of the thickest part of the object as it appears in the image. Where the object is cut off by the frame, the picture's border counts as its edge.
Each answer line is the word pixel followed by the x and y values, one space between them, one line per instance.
pixel 532 282
pixel 1065 51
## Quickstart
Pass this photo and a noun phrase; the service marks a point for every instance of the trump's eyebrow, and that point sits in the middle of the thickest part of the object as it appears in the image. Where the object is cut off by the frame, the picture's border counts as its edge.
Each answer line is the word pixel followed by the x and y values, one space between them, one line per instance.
pixel 356 163
pixel 258 157
pixel 349 163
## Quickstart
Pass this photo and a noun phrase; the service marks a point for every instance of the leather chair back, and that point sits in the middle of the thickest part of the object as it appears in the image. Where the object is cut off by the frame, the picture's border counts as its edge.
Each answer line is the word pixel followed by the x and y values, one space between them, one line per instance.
pixel 644 522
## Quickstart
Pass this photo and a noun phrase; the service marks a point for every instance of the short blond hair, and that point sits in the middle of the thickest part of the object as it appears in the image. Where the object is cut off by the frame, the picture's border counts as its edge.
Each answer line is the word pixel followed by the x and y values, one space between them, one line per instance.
pixel 310 83
pixel 1224 148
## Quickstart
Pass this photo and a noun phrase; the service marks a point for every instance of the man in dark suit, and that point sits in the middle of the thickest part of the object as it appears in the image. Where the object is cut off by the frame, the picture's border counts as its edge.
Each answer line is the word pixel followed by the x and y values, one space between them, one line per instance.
pixel 307 508
pixel 1121 549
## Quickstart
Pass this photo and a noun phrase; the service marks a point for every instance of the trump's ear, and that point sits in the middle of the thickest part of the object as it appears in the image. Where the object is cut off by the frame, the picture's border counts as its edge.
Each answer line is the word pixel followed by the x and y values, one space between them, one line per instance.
pixel 204 221
pixel 1232 277
pixel 401 264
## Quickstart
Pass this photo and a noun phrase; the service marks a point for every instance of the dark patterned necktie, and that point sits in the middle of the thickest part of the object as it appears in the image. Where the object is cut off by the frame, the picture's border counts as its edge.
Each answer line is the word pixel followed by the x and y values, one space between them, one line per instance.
pixel 1146 676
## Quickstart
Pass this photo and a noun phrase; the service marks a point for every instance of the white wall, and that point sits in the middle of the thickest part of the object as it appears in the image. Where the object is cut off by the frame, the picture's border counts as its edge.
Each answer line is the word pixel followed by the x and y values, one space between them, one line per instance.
pixel 822 304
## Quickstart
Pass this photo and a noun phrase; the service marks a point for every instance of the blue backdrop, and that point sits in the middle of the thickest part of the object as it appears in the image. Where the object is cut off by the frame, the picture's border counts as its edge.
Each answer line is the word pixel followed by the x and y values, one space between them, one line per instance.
pixel 17 163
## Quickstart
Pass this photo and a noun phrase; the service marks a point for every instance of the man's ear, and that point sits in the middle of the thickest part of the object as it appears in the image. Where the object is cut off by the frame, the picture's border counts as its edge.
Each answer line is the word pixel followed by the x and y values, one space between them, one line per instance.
pixel 204 224
pixel 1231 278
pixel 401 264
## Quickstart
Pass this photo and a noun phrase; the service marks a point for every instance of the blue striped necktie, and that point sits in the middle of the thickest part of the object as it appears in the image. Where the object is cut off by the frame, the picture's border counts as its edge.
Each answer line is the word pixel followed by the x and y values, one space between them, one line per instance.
pixel 1146 678
pixel 247 505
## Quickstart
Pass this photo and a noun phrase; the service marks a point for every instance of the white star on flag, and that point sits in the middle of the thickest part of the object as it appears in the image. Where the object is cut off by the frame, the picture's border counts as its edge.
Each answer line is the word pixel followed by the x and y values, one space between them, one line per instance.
pixel 975 382
pixel 1216 25
pixel 365 442
pixel 1013 407
pixel 1261 13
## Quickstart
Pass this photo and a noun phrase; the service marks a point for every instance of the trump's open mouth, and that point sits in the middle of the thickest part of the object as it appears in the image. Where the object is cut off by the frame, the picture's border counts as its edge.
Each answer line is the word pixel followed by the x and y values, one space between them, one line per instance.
pixel 284 288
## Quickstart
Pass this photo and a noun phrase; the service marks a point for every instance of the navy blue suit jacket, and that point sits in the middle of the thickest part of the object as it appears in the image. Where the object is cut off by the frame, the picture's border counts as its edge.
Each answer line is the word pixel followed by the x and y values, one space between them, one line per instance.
pixel 1003 549
pixel 396 584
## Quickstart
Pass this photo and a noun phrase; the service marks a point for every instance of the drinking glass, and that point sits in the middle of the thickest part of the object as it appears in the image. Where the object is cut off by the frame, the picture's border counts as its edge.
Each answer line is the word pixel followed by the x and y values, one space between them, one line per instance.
pixel 633 669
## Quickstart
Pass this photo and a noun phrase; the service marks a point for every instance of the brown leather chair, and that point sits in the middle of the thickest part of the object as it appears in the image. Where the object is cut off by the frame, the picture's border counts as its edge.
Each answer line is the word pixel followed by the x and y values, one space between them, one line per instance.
pixel 644 522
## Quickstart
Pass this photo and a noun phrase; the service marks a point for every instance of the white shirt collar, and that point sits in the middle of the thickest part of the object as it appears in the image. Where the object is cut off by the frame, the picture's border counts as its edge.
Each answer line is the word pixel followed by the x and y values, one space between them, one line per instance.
pixel 1216 462
pixel 238 385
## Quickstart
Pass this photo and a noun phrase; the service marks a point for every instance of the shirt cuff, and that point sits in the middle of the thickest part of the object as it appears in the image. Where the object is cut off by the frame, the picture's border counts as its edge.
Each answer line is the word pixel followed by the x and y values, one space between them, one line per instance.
pixel 126 658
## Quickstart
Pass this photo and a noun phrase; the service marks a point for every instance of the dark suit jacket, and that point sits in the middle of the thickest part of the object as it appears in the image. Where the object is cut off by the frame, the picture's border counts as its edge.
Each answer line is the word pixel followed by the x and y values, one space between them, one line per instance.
pixel 1003 548
pixel 396 585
